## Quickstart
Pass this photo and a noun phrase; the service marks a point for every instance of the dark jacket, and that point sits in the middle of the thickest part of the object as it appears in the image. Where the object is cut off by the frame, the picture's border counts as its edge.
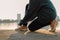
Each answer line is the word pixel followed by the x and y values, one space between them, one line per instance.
pixel 43 9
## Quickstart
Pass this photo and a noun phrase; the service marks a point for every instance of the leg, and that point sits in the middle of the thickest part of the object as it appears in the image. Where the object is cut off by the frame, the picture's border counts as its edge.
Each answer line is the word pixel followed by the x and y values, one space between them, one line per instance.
pixel 34 25
pixel 53 25
pixel 31 26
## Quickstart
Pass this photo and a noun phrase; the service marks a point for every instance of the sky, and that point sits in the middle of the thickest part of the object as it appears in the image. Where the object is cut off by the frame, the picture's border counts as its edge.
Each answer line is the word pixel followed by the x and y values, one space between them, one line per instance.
pixel 10 8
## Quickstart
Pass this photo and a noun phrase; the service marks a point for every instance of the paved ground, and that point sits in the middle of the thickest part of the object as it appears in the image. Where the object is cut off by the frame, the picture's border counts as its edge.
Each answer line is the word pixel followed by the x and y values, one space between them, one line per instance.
pixel 13 35
pixel 4 34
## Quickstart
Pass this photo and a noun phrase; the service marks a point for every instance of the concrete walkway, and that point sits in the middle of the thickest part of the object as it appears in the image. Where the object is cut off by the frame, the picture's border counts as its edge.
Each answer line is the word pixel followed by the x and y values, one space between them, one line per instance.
pixel 5 34
pixel 33 36
pixel 13 35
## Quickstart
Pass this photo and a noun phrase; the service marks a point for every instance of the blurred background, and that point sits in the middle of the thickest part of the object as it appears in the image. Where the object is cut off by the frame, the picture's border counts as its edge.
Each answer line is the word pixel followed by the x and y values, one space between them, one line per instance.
pixel 11 11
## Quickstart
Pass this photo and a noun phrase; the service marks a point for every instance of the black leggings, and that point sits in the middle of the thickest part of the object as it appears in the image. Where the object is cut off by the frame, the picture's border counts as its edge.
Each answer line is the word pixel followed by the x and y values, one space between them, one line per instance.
pixel 37 24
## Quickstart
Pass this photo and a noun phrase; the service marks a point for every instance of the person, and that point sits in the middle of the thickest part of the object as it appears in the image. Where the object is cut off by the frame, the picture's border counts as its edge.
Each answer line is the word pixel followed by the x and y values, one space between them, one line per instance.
pixel 42 12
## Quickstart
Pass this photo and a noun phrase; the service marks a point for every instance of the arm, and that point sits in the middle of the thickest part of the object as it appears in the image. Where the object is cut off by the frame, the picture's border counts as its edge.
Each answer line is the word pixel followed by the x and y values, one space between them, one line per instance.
pixel 31 12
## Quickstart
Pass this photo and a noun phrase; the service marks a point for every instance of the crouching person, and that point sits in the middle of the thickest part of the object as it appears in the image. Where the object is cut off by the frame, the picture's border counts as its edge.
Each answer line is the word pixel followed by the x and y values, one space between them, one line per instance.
pixel 45 12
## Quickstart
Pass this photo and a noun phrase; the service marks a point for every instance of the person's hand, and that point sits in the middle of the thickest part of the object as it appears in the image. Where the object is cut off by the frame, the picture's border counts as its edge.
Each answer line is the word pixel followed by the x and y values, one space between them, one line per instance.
pixel 21 28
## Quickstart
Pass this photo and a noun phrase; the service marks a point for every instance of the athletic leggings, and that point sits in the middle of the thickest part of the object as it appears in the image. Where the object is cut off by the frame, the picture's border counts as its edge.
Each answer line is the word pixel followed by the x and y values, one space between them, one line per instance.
pixel 37 24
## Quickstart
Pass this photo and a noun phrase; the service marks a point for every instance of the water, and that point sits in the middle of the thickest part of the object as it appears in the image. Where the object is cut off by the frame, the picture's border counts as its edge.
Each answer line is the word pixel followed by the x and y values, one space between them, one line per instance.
pixel 8 26
pixel 13 26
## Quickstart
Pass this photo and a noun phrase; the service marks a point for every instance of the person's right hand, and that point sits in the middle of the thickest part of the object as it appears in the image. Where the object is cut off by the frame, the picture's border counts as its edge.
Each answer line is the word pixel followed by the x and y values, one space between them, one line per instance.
pixel 21 28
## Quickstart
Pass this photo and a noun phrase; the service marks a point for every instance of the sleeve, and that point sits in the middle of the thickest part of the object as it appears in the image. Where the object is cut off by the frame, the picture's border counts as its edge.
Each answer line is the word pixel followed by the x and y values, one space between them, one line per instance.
pixel 31 12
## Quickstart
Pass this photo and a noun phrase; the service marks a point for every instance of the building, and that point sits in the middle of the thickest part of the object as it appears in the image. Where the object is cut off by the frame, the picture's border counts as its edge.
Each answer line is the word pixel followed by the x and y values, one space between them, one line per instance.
pixel 18 17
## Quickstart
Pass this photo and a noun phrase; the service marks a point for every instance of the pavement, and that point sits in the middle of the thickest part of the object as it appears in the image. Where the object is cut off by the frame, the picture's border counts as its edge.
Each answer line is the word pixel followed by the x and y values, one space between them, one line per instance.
pixel 19 35
pixel 4 34
pixel 33 36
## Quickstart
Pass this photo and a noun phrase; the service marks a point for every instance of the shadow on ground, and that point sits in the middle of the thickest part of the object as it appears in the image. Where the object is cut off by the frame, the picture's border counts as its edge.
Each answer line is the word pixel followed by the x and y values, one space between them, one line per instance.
pixel 33 36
